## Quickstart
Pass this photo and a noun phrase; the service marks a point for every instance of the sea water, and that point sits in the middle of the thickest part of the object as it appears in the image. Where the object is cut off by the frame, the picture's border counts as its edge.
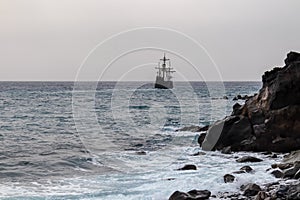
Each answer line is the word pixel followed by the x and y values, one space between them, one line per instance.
pixel 118 140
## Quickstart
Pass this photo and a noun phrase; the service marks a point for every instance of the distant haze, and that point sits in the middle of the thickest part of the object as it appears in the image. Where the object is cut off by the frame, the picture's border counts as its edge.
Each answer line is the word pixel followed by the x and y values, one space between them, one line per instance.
pixel 49 39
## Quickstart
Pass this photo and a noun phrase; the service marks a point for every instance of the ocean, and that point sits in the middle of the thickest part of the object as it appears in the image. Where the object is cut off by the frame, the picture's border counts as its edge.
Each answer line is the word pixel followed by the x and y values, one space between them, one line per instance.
pixel 115 140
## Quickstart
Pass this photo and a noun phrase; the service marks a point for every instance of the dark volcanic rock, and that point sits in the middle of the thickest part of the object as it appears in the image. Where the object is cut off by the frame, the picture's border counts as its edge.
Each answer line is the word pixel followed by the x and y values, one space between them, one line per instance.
pixel 228 178
pixel 277 173
pixel 191 195
pixel 291 172
pixel 226 150
pixel 201 138
pixel 247 169
pixel 228 132
pixel 188 167
pixel 194 128
pixel 293 192
pixel 250 189
pixel 248 159
pixel 269 120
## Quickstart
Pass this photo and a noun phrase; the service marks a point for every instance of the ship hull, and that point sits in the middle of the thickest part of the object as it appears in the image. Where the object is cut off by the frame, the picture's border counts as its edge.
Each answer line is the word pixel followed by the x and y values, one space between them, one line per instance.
pixel 162 84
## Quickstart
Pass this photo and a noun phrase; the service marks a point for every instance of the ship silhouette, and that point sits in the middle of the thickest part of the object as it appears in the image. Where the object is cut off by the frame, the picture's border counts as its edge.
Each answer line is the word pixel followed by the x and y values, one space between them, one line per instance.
pixel 164 74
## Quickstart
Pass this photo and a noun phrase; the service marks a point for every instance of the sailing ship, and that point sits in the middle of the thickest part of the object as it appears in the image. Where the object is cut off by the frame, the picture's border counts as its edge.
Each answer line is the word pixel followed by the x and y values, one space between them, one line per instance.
pixel 164 74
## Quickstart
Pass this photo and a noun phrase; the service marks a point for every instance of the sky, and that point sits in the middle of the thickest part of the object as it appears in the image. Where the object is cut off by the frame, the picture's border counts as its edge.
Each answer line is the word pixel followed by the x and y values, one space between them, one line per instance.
pixel 67 40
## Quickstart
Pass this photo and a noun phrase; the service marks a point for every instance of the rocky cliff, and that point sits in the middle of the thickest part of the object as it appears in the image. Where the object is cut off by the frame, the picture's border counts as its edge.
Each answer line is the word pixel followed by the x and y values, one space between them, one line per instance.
pixel 268 121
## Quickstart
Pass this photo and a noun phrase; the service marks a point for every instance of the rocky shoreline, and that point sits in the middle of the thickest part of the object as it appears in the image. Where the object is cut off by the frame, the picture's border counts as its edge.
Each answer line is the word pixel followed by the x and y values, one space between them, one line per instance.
pixel 268 122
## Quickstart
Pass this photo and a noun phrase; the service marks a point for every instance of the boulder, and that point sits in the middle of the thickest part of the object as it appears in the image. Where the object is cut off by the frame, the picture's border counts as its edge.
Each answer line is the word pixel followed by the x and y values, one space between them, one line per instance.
pixel 228 178
pixel 246 169
pixel 248 159
pixel 291 172
pixel 191 195
pixel 277 173
pixel 228 132
pixel 250 189
pixel 261 195
pixel 269 120
pixel 188 167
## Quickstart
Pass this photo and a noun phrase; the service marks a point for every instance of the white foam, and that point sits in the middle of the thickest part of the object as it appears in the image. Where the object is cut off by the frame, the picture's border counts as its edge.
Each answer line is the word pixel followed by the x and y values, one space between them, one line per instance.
pixel 146 177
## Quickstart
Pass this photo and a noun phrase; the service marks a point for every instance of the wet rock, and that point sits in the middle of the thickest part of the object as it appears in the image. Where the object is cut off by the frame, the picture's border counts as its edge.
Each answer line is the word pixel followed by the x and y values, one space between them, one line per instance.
pixel 291 172
pixel 170 179
pixel 292 157
pixel 297 175
pixel 188 167
pixel 248 159
pixel 141 153
pixel 261 195
pixel 200 194
pixel 247 169
pixel 199 153
pixel 194 128
pixel 293 192
pixel 239 172
pixel 283 166
pixel 250 189
pixel 191 195
pixel 201 138
pixel 236 109
pixel 226 150
pixel 274 155
pixel 282 191
pixel 228 132
pixel 228 178
pixel 277 173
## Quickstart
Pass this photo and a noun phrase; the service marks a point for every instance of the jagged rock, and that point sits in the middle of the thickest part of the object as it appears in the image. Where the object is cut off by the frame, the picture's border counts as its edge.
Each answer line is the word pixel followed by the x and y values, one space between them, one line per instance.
pixel 248 159
pixel 188 167
pixel 194 128
pixel 277 173
pixel 293 192
pixel 261 195
pixel 236 109
pixel 228 178
pixel 291 158
pixel 269 120
pixel 291 172
pixel 191 195
pixel 292 57
pixel 228 132
pixel 247 169
pixel 250 189
pixel 282 166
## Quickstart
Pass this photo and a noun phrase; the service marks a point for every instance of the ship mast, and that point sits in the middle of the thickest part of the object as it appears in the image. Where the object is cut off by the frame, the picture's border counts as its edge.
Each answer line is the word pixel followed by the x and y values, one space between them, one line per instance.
pixel 163 78
pixel 164 69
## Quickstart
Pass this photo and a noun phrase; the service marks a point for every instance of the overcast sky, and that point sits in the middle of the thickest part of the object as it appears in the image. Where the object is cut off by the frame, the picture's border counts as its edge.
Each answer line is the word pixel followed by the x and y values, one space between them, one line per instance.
pixel 49 39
